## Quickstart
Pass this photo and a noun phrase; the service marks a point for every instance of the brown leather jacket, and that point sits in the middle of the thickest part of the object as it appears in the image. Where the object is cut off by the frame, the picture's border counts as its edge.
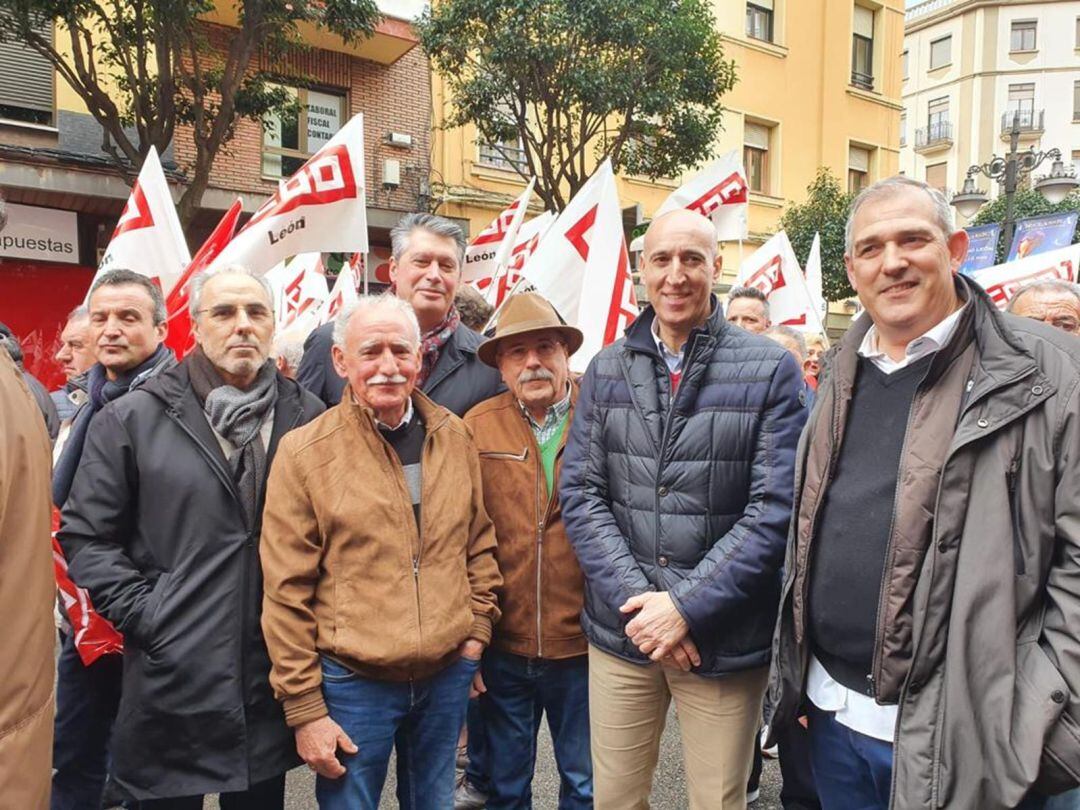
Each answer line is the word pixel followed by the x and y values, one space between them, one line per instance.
pixel 543 587
pixel 27 593
pixel 346 573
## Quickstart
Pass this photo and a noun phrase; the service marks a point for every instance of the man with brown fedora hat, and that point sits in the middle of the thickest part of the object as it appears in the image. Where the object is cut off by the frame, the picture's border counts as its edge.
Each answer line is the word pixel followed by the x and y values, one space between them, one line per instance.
pixel 537 661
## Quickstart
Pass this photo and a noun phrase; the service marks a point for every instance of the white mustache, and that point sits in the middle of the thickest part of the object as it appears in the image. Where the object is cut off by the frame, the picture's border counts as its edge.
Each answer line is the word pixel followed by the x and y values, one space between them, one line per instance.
pixel 540 374
pixel 384 379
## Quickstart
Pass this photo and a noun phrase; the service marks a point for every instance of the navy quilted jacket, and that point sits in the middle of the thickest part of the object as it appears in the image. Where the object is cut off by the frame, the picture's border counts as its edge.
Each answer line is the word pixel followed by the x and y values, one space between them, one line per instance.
pixel 692 497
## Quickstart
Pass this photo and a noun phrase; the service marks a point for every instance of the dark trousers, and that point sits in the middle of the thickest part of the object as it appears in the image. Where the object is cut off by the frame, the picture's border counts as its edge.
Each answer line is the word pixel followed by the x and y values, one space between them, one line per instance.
pixel 476 740
pixel 268 795
pixel 420 720
pixel 87 699
pixel 519 692
pixel 798 792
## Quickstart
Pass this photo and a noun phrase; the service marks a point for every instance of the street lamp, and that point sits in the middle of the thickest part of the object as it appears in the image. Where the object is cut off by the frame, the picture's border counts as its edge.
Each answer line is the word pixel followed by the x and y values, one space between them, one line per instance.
pixel 1009 171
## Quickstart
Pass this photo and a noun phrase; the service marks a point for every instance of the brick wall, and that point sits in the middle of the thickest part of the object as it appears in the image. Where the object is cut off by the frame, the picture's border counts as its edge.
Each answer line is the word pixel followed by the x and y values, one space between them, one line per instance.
pixel 393 98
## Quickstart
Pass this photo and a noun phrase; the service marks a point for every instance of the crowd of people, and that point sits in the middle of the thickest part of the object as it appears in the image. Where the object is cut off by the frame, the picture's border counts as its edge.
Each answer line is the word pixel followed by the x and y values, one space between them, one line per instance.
pixel 431 539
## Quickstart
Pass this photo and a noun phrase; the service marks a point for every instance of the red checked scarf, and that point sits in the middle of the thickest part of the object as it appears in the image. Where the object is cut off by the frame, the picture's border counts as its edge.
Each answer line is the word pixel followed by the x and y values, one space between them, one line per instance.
pixel 432 341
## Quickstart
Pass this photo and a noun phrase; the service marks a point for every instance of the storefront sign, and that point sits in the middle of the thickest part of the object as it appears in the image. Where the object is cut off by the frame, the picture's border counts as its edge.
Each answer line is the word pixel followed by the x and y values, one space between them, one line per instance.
pixel 43 234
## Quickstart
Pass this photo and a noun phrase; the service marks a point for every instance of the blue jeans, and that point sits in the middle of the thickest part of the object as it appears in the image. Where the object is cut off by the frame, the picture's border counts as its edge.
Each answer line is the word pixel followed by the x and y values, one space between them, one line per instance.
pixel 519 691
pixel 852 771
pixel 419 719
pixel 1069 800
pixel 87 699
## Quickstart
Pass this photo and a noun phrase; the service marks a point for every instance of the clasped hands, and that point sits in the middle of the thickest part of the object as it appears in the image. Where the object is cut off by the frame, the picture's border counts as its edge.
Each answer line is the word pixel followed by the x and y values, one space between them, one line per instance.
pixel 660 631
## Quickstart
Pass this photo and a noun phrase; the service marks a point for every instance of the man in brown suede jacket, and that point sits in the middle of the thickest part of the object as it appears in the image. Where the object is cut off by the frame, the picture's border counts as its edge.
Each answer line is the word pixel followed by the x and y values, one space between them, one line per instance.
pixel 538 660
pixel 380 573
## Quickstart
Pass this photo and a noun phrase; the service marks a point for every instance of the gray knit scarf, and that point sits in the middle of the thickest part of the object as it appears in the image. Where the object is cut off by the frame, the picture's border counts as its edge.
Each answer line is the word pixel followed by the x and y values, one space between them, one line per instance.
pixel 237 416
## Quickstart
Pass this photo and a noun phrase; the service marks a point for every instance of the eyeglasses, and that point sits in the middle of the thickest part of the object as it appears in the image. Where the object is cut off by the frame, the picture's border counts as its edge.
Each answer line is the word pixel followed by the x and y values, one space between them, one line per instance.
pixel 226 313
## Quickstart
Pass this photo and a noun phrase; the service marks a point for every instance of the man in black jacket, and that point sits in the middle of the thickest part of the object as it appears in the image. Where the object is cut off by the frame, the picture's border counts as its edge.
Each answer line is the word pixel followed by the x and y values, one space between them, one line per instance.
pixel 162 527
pixel 425 267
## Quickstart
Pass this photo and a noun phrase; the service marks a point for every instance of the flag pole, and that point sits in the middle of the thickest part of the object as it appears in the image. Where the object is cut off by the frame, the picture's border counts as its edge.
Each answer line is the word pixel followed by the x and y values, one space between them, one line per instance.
pixel 495 315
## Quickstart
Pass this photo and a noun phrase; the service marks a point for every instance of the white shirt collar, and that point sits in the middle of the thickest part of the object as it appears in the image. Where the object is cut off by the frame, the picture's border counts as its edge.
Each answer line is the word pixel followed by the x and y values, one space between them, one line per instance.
pixel 929 342
pixel 405 419
pixel 672 359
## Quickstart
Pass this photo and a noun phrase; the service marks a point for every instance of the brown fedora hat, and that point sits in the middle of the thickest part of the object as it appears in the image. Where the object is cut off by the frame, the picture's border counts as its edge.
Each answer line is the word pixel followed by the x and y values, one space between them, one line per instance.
pixel 524 313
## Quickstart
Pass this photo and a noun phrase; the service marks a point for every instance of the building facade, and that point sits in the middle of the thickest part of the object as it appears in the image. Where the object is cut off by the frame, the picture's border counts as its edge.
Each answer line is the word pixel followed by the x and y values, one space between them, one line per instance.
pixel 52 164
pixel 973 66
pixel 818 85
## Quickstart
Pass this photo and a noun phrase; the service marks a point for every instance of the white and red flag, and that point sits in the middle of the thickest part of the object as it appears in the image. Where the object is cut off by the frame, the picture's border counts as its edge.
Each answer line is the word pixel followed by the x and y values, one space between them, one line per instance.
pixel 345 292
pixel 148 238
pixel 179 338
pixel 496 288
pixel 321 208
pixel 775 271
pixel 719 192
pixel 299 288
pixel 814 278
pixel 581 266
pixel 489 252
pixel 1003 281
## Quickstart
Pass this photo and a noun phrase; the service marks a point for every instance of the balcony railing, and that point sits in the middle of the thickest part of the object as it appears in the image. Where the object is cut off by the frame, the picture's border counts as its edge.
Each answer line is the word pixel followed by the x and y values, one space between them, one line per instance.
pixel 939 133
pixel 502 156
pixel 1030 121
pixel 862 80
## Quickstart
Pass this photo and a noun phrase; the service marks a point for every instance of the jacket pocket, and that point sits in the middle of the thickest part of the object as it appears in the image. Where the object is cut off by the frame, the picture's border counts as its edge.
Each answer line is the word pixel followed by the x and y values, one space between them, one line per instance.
pixel 1059 769
pixel 147 626
pixel 493 454
pixel 1011 476
pixel 1041 738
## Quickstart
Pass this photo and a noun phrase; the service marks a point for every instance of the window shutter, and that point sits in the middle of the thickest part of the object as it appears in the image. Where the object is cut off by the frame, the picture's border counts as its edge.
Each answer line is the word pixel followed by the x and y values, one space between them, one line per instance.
pixel 858 159
pixel 864 22
pixel 756 135
pixel 26 77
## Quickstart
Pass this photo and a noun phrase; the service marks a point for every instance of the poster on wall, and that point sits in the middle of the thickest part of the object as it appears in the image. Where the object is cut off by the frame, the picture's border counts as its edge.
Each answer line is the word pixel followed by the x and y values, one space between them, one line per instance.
pixel 41 234
pixel 1042 234
pixel 982 247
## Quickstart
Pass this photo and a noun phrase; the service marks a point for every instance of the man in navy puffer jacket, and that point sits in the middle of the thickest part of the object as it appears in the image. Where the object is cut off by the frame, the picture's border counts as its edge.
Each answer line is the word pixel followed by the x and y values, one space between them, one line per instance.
pixel 676 491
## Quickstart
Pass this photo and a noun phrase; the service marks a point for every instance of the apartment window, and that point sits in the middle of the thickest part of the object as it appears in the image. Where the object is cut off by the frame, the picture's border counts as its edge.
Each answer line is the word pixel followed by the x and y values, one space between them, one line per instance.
pixel 1022 35
pixel 1076 101
pixel 940 52
pixel 862 48
pixel 1077 38
pixel 903 129
pixel 759 19
pixel 937 120
pixel 1022 102
pixel 506 154
pixel 291 138
pixel 858 168
pixel 756 139
pixel 26 81
pixel 936 174
pixel 904 65
pixel 1076 162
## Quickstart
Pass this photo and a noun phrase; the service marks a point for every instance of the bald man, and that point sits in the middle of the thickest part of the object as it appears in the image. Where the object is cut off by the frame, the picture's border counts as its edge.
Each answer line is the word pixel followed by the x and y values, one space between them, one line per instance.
pixel 1054 302
pixel 676 492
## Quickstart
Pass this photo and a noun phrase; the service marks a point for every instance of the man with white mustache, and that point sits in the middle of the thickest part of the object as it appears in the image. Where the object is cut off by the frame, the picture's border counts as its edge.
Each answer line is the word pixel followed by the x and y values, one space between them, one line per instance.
pixel 161 527
pixel 380 575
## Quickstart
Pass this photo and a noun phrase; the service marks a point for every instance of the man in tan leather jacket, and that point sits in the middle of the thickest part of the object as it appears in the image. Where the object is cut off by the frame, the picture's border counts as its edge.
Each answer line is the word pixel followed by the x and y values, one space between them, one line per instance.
pixel 380 573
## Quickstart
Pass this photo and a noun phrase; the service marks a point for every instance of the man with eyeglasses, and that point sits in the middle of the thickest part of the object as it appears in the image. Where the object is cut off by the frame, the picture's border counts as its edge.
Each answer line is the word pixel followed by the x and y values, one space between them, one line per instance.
pixel 162 527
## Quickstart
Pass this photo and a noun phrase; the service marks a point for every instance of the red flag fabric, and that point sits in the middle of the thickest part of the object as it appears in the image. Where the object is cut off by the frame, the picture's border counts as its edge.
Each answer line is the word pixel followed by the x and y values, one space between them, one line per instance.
pixel 94 634
pixel 179 338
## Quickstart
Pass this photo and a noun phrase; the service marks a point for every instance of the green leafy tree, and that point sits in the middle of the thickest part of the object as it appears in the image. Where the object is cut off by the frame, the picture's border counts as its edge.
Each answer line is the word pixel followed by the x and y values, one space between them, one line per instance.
pixel 145 67
pixel 1026 203
pixel 824 211
pixel 578 81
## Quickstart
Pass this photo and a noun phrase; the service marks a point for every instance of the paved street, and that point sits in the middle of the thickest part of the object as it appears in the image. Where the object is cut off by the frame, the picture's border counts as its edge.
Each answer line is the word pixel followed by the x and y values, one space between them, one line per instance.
pixel 669 789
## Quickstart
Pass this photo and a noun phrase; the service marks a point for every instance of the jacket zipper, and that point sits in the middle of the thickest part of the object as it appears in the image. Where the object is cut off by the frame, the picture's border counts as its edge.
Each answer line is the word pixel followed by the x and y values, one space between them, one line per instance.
pixel 539 557
pixel 673 395
pixel 1014 512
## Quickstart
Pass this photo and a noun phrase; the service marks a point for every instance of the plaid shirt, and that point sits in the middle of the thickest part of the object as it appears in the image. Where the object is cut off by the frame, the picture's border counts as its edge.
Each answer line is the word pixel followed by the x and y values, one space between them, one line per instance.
pixel 552 419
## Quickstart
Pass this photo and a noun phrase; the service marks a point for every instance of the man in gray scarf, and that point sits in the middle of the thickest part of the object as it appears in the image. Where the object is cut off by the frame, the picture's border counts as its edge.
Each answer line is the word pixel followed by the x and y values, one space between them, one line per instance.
pixel 162 527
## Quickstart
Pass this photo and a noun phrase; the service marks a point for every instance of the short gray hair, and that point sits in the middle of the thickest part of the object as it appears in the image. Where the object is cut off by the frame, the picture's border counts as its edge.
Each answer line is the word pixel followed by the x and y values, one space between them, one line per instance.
pixel 290 347
pixel 440 226
pixel 943 215
pixel 81 311
pixel 1047 285
pixel 793 335
pixel 200 280
pixel 367 303
pixel 121 277
pixel 749 292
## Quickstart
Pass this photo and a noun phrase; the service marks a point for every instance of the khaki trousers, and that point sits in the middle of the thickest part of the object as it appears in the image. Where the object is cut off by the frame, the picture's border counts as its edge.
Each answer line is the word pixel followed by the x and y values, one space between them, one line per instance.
pixel 718 717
